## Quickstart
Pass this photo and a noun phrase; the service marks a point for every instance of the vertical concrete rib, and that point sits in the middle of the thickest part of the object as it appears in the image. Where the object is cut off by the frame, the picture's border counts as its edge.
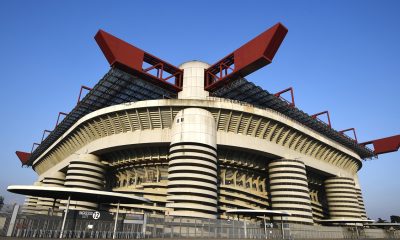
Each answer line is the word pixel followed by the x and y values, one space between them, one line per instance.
pixel 342 198
pixel 289 190
pixel 192 167
pixel 86 172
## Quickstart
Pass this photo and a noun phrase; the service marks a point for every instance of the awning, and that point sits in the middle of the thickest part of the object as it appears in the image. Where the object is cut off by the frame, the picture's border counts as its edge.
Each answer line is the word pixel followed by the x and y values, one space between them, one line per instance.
pixel 78 194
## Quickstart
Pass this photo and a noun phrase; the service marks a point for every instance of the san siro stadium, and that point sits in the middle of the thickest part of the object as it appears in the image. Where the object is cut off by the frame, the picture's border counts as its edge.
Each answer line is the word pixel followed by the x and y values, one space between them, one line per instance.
pixel 199 140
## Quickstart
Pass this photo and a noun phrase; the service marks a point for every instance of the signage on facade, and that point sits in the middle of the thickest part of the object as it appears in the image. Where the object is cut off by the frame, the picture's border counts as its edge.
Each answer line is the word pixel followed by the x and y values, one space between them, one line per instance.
pixel 90 215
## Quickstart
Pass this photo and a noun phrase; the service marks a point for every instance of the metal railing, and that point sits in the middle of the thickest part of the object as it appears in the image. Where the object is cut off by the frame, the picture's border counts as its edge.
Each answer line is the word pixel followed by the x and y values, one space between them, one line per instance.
pixel 156 226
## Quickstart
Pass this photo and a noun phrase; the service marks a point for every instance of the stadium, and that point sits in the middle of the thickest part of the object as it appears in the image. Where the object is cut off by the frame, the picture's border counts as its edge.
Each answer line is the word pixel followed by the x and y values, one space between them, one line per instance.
pixel 200 140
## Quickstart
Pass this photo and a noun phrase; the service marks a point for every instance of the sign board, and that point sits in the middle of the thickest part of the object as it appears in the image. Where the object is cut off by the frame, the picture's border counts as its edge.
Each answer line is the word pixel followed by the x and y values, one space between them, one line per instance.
pixel 90 215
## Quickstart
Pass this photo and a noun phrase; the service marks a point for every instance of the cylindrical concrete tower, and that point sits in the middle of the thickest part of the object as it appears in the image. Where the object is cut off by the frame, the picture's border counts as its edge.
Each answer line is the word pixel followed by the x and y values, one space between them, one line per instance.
pixel 86 172
pixel 193 80
pixel 342 198
pixel 192 171
pixel 31 202
pixel 360 199
pixel 55 180
pixel 361 205
pixel 289 189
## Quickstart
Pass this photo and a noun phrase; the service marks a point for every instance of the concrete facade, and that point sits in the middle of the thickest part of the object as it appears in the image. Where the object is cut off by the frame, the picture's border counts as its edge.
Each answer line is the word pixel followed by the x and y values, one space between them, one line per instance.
pixel 200 156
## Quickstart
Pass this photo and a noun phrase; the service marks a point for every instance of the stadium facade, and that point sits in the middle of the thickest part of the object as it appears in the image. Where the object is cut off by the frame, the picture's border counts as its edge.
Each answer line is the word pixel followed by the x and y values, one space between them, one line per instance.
pixel 206 143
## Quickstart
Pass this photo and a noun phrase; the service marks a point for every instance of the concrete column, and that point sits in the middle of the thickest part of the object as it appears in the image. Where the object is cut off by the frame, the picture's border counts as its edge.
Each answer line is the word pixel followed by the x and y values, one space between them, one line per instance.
pixel 289 190
pixel 342 198
pixel 86 172
pixel 192 172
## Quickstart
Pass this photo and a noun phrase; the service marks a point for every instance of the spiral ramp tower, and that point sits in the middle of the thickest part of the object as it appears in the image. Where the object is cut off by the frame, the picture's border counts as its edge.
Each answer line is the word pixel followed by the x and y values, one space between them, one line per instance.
pixel 85 172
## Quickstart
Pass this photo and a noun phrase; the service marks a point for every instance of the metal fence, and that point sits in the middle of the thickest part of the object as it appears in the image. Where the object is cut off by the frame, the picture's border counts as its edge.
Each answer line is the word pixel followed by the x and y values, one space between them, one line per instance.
pixel 153 226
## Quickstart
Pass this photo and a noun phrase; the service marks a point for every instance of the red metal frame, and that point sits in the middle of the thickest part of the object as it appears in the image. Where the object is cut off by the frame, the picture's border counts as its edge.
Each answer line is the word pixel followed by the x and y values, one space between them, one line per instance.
pixel 250 57
pixel 321 113
pixel 350 129
pixel 127 57
pixel 23 157
pixel 58 118
pixel 80 92
pixel 290 89
pixel 385 145
pixel 44 132
pixel 33 145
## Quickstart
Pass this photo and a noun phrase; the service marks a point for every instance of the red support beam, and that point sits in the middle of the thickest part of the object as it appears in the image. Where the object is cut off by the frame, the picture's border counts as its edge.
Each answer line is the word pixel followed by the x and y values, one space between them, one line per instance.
pixel 350 129
pixel 44 132
pixel 23 157
pixel 80 92
pixel 58 118
pixel 321 113
pixel 250 57
pixel 290 89
pixel 131 59
pixel 33 146
pixel 385 145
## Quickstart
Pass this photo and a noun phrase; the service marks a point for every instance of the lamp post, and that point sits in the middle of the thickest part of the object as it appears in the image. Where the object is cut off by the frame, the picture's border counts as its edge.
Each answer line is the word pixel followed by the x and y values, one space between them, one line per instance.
pixel 116 220
pixel 65 218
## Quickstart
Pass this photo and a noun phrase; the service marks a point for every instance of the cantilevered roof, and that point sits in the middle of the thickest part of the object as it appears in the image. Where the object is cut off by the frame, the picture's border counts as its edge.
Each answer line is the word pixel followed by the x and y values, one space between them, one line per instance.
pixel 346 220
pixel 245 91
pixel 114 88
pixel 118 87
pixel 78 194
pixel 258 212
pixel 128 81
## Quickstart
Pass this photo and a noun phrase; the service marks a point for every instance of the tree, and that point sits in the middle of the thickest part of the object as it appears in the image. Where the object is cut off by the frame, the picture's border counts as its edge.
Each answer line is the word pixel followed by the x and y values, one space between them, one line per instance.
pixel 380 220
pixel 1 201
pixel 395 219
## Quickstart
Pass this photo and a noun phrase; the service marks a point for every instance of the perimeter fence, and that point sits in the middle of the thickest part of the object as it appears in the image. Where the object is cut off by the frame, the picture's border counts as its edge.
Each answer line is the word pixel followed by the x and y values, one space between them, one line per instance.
pixel 100 225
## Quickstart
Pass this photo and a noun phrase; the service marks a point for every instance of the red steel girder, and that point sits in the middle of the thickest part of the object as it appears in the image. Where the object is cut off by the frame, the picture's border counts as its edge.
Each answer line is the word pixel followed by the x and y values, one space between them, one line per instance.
pixel 80 92
pixel 350 129
pixel 58 118
pixel 290 89
pixel 23 157
pixel 33 146
pixel 44 132
pixel 321 113
pixel 250 57
pixel 385 145
pixel 131 59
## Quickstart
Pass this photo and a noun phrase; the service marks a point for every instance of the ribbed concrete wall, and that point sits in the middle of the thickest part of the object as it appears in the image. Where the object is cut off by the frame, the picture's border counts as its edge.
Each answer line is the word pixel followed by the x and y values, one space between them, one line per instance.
pixel 361 205
pixel 31 202
pixel 192 171
pixel 289 189
pixel 342 198
pixel 47 204
pixel 86 172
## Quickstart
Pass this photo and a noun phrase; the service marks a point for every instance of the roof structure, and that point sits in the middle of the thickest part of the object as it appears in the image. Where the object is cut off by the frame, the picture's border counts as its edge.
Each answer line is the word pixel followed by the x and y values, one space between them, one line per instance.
pixel 258 212
pixel 343 221
pixel 136 75
pixel 114 88
pixel 245 91
pixel 118 87
pixel 78 194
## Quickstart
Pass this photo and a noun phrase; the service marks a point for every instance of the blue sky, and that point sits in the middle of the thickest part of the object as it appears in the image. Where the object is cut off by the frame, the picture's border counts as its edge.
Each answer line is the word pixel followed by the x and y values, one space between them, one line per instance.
pixel 341 56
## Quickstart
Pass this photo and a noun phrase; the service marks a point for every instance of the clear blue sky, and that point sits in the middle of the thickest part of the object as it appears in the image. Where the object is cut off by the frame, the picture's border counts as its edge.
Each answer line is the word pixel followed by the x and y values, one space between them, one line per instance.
pixel 339 56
